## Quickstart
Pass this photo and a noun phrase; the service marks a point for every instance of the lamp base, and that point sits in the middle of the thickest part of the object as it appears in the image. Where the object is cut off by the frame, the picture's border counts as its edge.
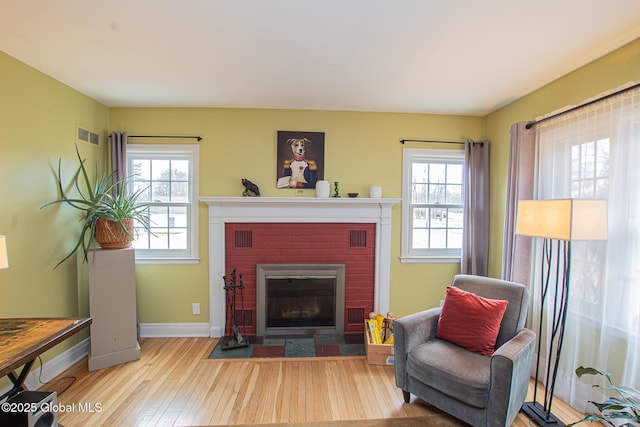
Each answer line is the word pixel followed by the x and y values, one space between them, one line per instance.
pixel 536 412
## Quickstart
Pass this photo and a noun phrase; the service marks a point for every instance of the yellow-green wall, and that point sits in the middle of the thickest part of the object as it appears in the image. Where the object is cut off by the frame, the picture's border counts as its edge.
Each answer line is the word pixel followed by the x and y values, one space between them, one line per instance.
pixel 38 121
pixel 361 150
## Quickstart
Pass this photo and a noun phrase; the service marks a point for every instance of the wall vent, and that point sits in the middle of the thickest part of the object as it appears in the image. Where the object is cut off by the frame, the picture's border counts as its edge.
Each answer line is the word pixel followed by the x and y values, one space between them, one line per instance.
pixel 243 239
pixel 358 239
pixel 85 135
pixel 94 138
pixel 355 315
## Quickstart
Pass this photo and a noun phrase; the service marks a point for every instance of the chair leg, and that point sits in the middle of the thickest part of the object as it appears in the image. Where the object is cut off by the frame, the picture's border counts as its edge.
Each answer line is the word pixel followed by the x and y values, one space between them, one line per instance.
pixel 407 396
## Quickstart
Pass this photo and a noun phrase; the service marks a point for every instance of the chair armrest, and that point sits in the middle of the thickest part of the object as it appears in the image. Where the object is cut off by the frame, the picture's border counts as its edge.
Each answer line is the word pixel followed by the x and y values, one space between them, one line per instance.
pixel 516 347
pixel 510 373
pixel 409 332
pixel 416 328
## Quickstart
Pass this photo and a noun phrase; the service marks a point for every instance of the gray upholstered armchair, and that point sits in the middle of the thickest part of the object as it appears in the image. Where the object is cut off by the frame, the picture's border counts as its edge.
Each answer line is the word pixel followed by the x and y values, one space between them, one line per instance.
pixel 477 389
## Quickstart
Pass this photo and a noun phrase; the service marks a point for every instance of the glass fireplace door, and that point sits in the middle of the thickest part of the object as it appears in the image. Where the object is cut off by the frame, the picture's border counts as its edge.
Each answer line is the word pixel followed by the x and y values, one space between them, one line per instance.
pixel 300 298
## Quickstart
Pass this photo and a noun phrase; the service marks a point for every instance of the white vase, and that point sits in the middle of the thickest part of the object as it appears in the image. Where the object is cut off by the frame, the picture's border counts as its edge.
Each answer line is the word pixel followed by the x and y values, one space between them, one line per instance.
pixel 375 192
pixel 322 189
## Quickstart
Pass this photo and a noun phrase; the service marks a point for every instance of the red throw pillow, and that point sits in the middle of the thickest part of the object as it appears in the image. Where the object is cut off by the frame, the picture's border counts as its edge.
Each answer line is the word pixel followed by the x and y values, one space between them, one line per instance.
pixel 470 321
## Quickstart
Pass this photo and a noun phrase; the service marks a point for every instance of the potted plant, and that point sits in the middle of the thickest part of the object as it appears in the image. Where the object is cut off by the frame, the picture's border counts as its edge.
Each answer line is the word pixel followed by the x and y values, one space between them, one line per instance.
pixel 624 408
pixel 109 210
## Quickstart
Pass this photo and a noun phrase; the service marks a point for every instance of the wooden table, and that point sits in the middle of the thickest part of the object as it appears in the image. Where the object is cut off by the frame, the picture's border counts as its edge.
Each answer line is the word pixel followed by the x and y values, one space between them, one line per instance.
pixel 23 340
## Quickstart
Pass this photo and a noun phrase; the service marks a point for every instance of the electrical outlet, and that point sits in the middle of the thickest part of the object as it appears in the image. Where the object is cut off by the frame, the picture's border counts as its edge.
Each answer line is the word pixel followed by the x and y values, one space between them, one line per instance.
pixel 195 307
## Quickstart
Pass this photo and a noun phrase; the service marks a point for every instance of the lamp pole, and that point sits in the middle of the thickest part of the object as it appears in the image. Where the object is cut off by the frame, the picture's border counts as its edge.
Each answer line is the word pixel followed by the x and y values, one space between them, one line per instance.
pixel 541 413
pixel 560 220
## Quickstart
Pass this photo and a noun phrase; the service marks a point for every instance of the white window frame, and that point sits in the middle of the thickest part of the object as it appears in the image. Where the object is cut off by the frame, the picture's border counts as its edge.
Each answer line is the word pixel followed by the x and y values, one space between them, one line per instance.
pixel 182 151
pixel 407 253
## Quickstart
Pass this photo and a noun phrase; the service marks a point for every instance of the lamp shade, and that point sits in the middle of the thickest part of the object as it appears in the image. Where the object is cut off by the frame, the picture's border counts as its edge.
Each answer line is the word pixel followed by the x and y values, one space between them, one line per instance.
pixel 563 219
pixel 4 259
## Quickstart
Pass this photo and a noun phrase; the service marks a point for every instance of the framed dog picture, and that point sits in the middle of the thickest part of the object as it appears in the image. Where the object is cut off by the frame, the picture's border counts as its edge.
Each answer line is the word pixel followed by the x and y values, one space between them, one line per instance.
pixel 300 159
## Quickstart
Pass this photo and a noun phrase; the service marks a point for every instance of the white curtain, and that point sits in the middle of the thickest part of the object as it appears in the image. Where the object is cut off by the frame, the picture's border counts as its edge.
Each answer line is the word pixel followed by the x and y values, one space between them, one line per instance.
pixel 594 152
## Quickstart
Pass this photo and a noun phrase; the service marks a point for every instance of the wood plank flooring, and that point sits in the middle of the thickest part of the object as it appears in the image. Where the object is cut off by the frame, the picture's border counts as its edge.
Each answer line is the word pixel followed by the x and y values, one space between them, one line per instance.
pixel 174 384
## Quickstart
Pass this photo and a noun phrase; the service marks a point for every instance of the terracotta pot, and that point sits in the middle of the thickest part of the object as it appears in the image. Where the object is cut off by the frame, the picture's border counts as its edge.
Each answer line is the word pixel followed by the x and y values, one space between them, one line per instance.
pixel 110 235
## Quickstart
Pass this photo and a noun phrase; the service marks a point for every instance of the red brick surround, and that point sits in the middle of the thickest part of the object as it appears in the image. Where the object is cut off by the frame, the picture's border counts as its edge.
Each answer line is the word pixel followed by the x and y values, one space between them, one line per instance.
pixel 248 244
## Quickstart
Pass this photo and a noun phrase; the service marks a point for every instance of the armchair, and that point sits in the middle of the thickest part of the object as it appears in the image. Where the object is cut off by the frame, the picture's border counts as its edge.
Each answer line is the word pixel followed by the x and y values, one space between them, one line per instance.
pixel 478 389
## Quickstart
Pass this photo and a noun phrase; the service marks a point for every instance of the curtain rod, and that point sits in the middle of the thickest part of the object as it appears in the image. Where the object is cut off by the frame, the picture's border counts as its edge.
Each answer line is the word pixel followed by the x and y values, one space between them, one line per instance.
pixel 577 107
pixel 199 138
pixel 402 141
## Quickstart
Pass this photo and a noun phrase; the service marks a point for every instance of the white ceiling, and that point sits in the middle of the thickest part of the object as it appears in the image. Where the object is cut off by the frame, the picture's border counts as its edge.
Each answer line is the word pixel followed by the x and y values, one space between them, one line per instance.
pixel 432 56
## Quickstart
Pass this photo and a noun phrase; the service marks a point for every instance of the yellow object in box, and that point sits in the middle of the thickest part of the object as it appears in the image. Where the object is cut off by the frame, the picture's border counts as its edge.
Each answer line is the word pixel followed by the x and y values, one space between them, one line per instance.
pixel 377 354
pixel 375 333
pixel 379 322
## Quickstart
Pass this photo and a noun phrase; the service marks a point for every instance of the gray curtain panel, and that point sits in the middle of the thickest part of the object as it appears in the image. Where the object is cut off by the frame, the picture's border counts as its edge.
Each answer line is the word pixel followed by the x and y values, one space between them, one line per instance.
pixel 119 155
pixel 516 250
pixel 475 237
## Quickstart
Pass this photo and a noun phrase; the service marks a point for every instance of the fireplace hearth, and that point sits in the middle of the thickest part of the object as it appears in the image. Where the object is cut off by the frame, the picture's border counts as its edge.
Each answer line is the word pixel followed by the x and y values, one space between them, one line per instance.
pixel 297 299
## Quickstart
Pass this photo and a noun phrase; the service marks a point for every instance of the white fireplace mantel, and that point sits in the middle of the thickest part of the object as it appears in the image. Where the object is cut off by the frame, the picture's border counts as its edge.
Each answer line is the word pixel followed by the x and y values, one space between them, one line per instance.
pixel 294 210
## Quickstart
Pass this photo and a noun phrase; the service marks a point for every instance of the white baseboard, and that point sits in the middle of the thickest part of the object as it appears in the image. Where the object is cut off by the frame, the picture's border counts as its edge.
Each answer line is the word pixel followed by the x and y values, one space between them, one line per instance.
pixel 55 366
pixel 170 330
pixel 215 332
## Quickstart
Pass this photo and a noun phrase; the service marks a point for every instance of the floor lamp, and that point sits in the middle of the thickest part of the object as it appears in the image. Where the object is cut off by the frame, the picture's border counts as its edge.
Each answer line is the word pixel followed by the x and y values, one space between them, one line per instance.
pixel 558 222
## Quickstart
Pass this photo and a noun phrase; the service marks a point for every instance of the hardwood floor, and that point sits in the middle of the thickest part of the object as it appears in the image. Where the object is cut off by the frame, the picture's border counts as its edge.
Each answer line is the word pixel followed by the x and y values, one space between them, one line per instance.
pixel 174 384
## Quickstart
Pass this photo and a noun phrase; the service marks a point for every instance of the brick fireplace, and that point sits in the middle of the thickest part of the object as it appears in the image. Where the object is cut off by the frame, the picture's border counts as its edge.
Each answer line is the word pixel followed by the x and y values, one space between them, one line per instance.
pixel 246 231
pixel 351 244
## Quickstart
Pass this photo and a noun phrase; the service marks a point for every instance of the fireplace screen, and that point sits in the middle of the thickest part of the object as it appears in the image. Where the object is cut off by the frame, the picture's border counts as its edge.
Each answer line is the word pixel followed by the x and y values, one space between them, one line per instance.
pixel 300 298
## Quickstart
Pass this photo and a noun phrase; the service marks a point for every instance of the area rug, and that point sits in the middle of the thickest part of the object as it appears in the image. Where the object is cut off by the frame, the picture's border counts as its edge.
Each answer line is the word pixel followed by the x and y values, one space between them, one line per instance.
pixel 435 420
pixel 295 346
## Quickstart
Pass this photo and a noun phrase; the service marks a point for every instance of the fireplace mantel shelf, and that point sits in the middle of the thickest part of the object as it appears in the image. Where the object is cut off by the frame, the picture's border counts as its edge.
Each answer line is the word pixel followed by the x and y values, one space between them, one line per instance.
pixel 224 210
pixel 293 201
pixel 298 209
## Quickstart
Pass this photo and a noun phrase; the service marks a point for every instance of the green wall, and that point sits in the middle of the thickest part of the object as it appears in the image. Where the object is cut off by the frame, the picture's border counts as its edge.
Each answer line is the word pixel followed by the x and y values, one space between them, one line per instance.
pixel 361 150
pixel 39 117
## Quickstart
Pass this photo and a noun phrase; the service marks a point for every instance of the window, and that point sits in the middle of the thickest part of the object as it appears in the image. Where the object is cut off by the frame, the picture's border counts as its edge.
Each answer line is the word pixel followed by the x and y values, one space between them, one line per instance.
pixel 432 205
pixel 590 169
pixel 593 152
pixel 590 180
pixel 169 176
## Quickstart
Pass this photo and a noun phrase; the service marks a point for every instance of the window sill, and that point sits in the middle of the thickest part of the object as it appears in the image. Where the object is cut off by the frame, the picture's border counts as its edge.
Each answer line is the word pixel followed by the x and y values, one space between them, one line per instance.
pixel 167 261
pixel 429 260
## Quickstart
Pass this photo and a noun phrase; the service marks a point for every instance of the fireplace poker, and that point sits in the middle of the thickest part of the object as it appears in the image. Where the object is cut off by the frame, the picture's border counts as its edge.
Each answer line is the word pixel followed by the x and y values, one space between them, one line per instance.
pixel 235 338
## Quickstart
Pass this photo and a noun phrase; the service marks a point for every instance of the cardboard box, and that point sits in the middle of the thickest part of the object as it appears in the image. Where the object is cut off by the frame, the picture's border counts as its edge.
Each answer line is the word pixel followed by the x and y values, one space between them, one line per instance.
pixel 377 354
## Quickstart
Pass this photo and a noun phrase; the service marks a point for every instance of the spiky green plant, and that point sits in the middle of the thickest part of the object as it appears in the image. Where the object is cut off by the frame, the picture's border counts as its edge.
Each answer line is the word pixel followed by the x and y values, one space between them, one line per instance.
pixel 105 198
pixel 624 408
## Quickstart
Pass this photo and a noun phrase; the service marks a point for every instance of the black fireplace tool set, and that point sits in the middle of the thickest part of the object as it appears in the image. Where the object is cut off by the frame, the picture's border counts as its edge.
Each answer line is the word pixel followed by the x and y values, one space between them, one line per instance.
pixel 233 338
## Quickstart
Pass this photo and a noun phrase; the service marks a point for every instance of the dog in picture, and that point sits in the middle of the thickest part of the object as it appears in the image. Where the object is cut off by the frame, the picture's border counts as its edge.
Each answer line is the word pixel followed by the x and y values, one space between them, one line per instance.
pixel 302 172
